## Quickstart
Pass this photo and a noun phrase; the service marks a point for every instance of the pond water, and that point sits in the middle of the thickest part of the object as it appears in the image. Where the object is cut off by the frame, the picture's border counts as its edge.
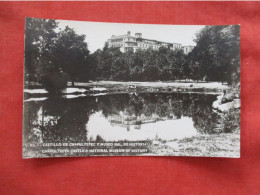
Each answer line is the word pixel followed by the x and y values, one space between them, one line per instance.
pixel 119 117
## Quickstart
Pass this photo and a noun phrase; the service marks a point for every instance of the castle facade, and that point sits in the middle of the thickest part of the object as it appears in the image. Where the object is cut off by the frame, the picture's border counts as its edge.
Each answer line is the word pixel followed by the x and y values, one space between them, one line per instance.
pixel 128 42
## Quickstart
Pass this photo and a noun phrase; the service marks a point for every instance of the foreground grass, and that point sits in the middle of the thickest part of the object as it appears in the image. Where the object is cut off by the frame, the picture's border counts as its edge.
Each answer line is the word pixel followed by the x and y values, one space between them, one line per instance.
pixel 205 145
pixel 214 145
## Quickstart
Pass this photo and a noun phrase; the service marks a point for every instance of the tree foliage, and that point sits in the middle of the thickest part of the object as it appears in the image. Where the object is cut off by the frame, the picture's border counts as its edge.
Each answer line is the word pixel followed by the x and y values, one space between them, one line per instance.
pixel 148 65
pixel 217 54
pixel 50 51
pixel 71 54
pixel 216 57
pixel 40 39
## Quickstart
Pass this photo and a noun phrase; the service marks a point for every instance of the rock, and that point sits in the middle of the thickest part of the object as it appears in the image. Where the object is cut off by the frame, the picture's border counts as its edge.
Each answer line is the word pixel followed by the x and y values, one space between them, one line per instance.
pixel 217 105
pixel 228 98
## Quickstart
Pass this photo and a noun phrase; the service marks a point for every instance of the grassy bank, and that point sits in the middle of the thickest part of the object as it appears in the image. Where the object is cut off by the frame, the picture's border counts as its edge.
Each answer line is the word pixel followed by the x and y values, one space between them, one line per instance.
pixel 113 86
pixel 109 84
pixel 139 87
pixel 214 145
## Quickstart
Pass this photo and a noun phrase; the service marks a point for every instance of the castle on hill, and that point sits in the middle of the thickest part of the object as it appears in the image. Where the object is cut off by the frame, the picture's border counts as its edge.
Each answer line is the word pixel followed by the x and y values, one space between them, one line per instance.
pixel 128 42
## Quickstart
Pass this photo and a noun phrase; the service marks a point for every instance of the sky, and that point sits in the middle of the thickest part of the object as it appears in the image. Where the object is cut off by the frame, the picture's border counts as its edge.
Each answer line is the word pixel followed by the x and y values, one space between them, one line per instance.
pixel 97 33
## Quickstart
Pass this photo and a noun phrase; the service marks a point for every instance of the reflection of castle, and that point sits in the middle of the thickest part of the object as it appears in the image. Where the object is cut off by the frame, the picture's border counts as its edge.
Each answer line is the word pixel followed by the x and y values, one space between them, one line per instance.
pixel 132 43
pixel 126 120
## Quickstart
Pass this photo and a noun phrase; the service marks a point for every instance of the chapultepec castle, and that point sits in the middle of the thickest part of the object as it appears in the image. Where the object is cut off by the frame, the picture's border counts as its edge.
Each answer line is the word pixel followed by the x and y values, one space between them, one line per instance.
pixel 133 43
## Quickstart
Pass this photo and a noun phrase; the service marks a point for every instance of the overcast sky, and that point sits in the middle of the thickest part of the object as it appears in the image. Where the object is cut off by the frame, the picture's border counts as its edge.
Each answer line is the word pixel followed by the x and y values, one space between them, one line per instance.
pixel 98 32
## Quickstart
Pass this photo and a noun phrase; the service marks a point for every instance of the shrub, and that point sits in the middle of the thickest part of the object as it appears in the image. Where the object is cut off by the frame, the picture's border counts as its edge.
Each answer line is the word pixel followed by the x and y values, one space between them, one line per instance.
pixel 231 121
pixel 55 82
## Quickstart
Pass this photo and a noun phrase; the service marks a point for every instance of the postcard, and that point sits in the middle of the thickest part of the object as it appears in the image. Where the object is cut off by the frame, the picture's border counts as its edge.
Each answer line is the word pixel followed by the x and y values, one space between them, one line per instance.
pixel 119 89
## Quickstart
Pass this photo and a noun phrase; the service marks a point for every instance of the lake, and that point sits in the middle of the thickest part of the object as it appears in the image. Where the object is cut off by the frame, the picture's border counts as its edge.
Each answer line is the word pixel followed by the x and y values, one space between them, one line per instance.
pixel 119 117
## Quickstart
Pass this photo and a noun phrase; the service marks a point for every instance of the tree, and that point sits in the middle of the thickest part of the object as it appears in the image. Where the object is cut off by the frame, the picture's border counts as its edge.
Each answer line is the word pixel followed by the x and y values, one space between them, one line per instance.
pixel 178 64
pixel 40 40
pixel 104 59
pixel 136 66
pixel 162 62
pixel 72 54
pixel 150 72
pixel 217 53
pixel 120 68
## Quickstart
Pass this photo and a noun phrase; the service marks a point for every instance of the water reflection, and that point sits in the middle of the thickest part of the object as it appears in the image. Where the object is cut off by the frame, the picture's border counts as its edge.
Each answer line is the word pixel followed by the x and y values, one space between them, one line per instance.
pixel 167 129
pixel 119 117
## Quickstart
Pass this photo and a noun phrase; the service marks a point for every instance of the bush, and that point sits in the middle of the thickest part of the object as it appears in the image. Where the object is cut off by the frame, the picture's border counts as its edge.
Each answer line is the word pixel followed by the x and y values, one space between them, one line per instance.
pixel 231 121
pixel 54 83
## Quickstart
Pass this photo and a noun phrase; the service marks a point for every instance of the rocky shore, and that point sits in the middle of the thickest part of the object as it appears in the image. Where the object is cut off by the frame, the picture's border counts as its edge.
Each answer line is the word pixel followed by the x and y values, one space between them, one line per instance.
pixel 224 107
pixel 229 100
pixel 228 106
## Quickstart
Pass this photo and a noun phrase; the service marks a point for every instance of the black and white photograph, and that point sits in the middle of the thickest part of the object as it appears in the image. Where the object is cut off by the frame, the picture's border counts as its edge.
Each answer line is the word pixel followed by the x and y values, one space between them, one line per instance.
pixel 125 89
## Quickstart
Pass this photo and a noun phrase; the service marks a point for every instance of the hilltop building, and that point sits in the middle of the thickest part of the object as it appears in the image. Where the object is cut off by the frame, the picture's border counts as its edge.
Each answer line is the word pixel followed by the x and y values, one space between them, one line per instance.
pixel 128 42
pixel 187 49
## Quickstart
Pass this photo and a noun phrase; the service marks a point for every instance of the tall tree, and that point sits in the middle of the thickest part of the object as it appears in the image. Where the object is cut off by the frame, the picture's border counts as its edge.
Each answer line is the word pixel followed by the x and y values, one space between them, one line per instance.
pixel 40 39
pixel 71 54
pixel 136 67
pixel 151 71
pixel 217 53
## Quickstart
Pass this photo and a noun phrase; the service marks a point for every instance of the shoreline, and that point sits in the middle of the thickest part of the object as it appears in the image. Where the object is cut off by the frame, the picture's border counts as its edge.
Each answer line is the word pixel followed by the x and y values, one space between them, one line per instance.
pixel 206 85
pixel 126 87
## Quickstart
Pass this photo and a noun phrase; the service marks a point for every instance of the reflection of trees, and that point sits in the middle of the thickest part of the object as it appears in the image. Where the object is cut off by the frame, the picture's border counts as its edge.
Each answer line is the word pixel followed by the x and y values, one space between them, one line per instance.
pixel 112 104
pixel 64 120
pixel 203 116
pixel 30 115
pixel 196 106
pixel 71 125
pixel 59 120
pixel 135 105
